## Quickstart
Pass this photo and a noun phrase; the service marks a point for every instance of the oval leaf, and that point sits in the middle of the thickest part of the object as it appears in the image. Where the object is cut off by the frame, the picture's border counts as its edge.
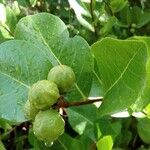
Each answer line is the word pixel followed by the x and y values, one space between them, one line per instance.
pixel 21 64
pixel 122 67
pixel 49 33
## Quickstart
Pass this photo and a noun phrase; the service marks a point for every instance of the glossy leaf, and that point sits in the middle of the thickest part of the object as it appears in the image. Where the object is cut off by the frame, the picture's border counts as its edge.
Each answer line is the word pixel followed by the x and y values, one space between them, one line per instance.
pixel 122 69
pixel 143 129
pixel 105 127
pixel 11 19
pixel 53 39
pixel 145 97
pixel 64 142
pixel 82 118
pixel 105 143
pixel 21 65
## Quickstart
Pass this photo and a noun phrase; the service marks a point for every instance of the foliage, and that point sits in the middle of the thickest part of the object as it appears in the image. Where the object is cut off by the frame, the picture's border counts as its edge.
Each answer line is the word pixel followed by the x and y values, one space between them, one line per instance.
pixel 107 45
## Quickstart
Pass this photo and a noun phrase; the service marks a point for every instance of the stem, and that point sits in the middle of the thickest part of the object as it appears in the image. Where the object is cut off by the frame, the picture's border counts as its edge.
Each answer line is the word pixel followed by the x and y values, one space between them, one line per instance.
pixel 83 102
pixel 63 104
pixel 8 30
pixel 11 130
pixel 8 132
pixel 107 4
pixel 93 19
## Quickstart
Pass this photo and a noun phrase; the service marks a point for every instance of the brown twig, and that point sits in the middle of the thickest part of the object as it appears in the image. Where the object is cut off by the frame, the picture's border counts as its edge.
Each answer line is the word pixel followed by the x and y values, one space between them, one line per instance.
pixel 64 104
pixel 8 132
pixel 11 130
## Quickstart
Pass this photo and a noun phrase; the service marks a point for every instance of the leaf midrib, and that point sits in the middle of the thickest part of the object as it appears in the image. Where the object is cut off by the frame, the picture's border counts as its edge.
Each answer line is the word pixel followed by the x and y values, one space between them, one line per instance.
pixel 76 85
pixel 89 121
pixel 123 72
pixel 20 82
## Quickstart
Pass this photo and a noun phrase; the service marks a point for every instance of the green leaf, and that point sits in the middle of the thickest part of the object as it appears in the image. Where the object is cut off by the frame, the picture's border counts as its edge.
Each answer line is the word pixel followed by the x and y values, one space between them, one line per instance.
pixel 7 22
pixel 140 17
pixel 5 125
pixel 143 129
pixel 64 142
pixel 2 1
pixel 86 141
pixel 122 69
pixel 4 34
pixel 33 2
pixel 96 89
pixel 81 11
pixel 107 128
pixel 8 19
pixel 145 97
pixel 118 5
pixel 108 26
pixel 2 146
pixel 11 19
pixel 118 148
pixel 124 138
pixel 24 3
pixel 147 110
pixel 70 143
pixel 82 119
pixel 134 15
pixel 125 16
pixel 77 51
pixel 45 31
pixel 21 65
pixel 105 143
pixel 53 39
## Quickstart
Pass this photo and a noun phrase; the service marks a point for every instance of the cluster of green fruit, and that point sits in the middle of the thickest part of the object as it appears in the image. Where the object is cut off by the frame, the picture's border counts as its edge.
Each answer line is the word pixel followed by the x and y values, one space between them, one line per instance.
pixel 48 124
pixel 133 28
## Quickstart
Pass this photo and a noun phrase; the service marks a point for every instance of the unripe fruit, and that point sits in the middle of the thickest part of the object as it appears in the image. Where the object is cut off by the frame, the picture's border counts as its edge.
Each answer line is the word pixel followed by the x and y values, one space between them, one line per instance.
pixel 132 30
pixel 30 111
pixel 48 125
pixel 43 94
pixel 63 76
pixel 133 25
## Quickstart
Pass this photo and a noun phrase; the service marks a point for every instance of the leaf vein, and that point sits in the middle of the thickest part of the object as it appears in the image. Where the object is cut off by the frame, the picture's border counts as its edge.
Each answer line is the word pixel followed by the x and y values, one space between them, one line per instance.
pixel 123 72
pixel 15 80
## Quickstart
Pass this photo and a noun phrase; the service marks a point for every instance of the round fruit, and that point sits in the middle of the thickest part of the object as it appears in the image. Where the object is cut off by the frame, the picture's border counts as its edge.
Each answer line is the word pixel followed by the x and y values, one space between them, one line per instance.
pixel 132 30
pixel 30 111
pixel 48 125
pixel 133 25
pixel 63 76
pixel 43 94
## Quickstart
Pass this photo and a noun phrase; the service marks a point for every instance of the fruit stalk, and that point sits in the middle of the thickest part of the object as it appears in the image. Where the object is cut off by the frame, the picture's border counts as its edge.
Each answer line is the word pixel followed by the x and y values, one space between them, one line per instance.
pixel 64 104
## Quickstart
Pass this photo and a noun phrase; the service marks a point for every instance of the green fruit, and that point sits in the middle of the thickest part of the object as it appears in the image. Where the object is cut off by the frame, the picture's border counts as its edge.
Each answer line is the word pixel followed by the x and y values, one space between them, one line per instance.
pixel 133 25
pixel 63 76
pixel 48 125
pixel 30 111
pixel 43 94
pixel 132 30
